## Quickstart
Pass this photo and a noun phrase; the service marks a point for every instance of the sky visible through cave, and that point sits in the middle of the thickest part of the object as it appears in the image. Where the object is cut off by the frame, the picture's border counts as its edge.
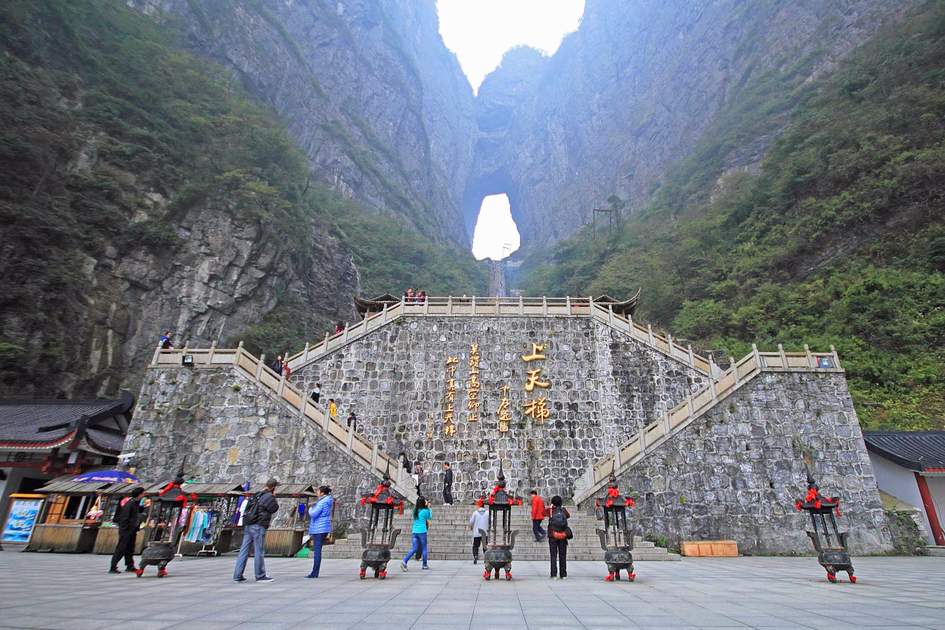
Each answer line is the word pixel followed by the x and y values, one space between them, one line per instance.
pixel 479 32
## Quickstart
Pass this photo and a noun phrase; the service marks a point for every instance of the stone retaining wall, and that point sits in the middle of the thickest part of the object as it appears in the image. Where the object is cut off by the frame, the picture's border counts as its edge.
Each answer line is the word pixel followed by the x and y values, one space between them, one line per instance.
pixel 736 472
pixel 604 386
pixel 230 432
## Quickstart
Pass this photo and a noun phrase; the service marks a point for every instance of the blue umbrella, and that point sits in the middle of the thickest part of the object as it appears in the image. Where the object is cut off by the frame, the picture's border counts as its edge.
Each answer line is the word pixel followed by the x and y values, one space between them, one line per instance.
pixel 106 476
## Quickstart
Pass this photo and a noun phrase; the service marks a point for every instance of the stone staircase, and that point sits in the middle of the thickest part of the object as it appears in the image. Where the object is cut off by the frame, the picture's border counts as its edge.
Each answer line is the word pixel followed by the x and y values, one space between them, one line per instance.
pixel 275 386
pixel 696 405
pixel 449 537
pixel 506 307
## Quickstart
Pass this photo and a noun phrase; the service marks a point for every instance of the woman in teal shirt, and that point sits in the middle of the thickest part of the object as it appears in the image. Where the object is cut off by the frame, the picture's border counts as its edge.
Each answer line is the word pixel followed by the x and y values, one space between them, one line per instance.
pixel 421 521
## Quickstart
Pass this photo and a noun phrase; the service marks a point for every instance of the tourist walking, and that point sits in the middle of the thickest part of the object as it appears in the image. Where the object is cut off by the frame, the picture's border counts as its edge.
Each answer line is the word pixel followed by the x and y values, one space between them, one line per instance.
pixel 352 421
pixel 421 524
pixel 538 515
pixel 317 393
pixel 319 527
pixel 332 409
pixel 277 365
pixel 127 517
pixel 478 523
pixel 447 484
pixel 256 519
pixel 339 328
pixel 558 534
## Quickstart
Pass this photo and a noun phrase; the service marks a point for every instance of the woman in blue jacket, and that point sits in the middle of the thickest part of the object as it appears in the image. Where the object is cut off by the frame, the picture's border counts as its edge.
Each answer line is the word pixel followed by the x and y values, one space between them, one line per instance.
pixel 320 526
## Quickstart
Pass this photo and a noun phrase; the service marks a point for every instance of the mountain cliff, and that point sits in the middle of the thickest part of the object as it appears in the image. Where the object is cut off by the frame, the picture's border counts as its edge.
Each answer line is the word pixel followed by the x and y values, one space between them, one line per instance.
pixel 367 90
pixel 635 88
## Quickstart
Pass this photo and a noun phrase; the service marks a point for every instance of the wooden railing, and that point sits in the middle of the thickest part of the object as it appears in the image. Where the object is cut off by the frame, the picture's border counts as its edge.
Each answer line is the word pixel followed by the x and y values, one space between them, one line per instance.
pixel 695 405
pixel 363 451
pixel 506 307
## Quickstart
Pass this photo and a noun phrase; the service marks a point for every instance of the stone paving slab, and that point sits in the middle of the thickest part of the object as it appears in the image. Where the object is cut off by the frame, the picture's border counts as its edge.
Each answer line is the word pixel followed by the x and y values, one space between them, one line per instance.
pixel 73 592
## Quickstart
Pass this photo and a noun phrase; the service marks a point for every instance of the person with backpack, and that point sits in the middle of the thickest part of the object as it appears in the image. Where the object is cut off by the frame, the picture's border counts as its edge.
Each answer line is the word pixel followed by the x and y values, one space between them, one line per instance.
pixel 558 535
pixel 538 515
pixel 421 525
pixel 127 517
pixel 256 519
pixel 478 523
pixel 320 526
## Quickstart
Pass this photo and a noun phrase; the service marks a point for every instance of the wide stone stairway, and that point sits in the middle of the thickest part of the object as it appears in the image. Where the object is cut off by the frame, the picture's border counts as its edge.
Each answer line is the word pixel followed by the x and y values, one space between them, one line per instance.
pixel 450 539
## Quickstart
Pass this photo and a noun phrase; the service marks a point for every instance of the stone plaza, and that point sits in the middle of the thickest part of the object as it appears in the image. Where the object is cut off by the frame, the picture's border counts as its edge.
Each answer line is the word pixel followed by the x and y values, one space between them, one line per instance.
pixel 74 592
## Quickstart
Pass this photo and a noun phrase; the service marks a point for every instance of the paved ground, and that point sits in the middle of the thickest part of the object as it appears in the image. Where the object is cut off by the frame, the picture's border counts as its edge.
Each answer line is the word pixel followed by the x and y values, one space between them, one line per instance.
pixel 73 592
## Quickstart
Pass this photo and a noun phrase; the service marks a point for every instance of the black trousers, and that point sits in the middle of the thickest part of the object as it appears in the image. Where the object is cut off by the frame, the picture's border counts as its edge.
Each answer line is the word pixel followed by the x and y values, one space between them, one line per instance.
pixel 477 541
pixel 448 493
pixel 559 556
pixel 126 548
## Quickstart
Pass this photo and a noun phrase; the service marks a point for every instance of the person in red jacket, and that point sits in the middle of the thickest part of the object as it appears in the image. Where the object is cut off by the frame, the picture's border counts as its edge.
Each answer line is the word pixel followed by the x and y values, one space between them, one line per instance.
pixel 538 514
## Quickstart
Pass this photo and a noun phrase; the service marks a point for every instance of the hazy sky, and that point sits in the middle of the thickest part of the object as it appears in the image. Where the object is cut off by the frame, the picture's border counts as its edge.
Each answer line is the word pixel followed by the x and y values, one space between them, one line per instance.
pixel 479 32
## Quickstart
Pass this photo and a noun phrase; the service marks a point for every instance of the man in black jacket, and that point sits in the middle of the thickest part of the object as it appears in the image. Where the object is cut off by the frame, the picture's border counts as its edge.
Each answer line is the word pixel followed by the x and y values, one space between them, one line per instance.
pixel 447 484
pixel 126 516
pixel 256 520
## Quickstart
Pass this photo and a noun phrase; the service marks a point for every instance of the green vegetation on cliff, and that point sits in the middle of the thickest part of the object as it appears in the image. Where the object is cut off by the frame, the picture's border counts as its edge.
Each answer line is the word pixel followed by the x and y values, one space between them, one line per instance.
pixel 110 136
pixel 838 238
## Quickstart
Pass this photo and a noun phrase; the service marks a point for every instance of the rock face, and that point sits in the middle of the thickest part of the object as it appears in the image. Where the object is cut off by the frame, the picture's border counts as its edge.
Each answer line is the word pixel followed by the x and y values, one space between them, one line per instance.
pixel 632 91
pixel 736 472
pixel 367 90
pixel 604 386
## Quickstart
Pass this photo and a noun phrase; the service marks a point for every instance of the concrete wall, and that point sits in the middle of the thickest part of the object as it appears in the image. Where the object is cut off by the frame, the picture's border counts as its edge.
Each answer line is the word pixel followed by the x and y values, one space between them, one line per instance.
pixel 604 386
pixel 735 472
pixel 231 432
pixel 895 480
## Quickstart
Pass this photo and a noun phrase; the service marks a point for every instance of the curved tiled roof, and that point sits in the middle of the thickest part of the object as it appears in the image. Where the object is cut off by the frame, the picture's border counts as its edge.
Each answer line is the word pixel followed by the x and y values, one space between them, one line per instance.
pixel 915 450
pixel 45 424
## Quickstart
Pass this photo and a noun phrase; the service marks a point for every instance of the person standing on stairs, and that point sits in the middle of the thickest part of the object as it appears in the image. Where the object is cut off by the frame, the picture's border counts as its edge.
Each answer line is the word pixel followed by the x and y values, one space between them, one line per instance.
pixel 276 365
pixel 418 473
pixel 332 409
pixel 421 525
pixel 558 534
pixel 479 521
pixel 320 526
pixel 538 515
pixel 317 393
pixel 447 484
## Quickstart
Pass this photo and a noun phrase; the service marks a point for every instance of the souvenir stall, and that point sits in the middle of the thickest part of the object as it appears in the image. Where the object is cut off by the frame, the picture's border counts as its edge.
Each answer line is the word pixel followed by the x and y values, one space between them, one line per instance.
pixel 71 516
pixel 208 530
pixel 287 538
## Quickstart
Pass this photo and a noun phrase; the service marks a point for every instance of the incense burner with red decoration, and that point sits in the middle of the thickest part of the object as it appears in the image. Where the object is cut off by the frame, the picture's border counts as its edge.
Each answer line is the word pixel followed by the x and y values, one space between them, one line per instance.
pixel 168 510
pixel 500 539
pixel 829 542
pixel 379 537
pixel 616 537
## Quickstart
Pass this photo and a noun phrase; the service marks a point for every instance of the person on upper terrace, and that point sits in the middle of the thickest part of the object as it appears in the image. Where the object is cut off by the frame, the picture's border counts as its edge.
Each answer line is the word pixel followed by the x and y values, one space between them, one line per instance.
pixel 409 296
pixel 166 343
pixel 277 365
pixel 339 327
pixel 421 297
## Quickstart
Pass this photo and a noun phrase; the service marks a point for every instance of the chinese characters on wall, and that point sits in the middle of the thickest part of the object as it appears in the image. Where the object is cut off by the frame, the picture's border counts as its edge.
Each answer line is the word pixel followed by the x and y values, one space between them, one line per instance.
pixel 449 424
pixel 473 404
pixel 534 405
pixel 537 406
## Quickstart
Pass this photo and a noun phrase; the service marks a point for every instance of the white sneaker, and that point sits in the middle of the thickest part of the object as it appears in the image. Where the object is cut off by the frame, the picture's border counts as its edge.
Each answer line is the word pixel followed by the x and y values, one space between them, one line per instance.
pixel 403 566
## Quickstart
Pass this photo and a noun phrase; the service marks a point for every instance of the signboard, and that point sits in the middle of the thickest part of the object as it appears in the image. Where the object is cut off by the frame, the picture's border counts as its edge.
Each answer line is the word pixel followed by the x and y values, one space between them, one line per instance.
pixel 21 519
